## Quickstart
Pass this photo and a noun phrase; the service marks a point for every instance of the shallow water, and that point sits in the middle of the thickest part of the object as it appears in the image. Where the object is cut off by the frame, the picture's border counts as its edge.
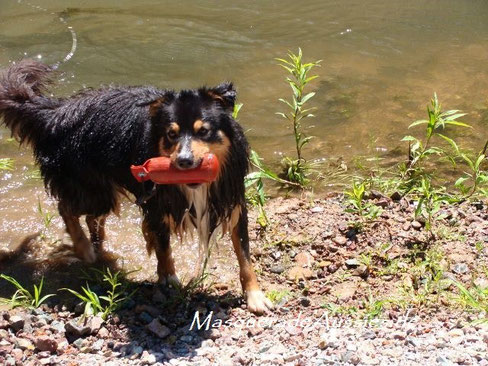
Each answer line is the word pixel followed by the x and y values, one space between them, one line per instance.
pixel 382 62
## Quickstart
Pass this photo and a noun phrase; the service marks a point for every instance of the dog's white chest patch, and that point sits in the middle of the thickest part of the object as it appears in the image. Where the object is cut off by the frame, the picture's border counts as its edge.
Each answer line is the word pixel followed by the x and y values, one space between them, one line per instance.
pixel 197 215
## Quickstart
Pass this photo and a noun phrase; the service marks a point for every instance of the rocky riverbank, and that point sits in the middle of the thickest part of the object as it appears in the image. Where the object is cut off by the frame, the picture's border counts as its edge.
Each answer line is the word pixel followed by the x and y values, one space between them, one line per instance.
pixel 347 291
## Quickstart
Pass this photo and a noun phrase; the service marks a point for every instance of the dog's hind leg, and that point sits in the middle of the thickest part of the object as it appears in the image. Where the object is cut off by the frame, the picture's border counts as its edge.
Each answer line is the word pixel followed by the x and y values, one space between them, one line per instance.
pixel 83 247
pixel 257 302
pixel 157 236
pixel 96 227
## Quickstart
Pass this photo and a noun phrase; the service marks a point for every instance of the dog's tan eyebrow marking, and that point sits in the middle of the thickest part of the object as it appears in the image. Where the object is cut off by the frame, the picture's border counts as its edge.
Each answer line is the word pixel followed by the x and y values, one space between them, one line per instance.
pixel 199 124
pixel 173 126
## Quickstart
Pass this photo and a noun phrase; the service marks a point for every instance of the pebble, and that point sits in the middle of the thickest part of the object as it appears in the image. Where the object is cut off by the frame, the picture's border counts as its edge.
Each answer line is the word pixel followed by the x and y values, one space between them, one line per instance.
pixel 77 330
pixel 305 301
pixel 78 343
pixel 340 240
pixel 148 358
pixel 416 225
pixel 103 333
pixel 158 329
pixel 95 324
pixel 46 344
pixel 16 323
pixel 278 269
pixel 298 273
pixel 24 344
pixel 17 354
pixel 276 255
pixel 57 326
pixel 399 335
pixel 352 263
pixel 327 234
pixel 304 259
pixel 145 317
pixel 98 345
pixel 460 268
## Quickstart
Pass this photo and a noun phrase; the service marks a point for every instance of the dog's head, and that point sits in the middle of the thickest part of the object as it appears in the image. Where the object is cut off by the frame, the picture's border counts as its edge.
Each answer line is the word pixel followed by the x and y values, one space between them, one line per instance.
pixel 192 123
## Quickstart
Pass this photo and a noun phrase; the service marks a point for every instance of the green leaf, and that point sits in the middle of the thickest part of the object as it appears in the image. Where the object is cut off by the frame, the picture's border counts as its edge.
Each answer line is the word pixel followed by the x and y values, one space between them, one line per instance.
pixel 307 97
pixel 478 162
pixel 409 138
pixel 418 209
pixel 419 122
pixel 453 116
pixel 450 141
pixel 457 123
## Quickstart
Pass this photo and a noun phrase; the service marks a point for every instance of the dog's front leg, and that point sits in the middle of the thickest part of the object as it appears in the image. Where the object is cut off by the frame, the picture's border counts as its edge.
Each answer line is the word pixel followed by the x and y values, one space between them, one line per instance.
pixel 157 235
pixel 257 302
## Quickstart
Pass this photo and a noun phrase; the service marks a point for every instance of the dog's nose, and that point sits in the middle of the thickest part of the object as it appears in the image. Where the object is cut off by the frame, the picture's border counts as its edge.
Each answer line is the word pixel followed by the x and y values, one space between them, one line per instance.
pixel 184 162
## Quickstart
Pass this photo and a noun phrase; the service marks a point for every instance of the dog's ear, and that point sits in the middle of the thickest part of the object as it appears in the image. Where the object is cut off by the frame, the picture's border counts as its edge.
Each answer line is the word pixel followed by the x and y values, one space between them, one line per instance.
pixel 225 94
pixel 155 104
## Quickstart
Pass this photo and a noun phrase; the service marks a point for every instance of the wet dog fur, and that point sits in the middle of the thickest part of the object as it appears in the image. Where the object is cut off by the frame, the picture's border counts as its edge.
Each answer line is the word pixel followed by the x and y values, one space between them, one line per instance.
pixel 85 145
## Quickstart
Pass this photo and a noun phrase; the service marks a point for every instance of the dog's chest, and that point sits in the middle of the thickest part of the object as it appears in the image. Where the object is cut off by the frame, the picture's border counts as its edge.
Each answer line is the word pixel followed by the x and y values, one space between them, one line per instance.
pixel 197 213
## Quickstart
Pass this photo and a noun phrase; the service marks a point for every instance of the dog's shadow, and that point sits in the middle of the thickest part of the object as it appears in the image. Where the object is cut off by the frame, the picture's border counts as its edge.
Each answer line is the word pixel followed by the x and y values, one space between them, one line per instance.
pixel 172 310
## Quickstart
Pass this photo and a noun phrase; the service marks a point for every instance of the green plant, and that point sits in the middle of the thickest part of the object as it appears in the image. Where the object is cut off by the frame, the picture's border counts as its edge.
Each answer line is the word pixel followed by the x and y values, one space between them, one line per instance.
pixel 477 175
pixel 358 205
pixel 296 169
pixel 47 217
pixel 426 274
pixel 278 296
pixel 254 183
pixel 373 308
pixel 6 164
pixel 255 194
pixel 335 309
pixel 23 297
pixel 480 247
pixel 474 298
pixel 114 297
pixel 429 202
pixel 437 120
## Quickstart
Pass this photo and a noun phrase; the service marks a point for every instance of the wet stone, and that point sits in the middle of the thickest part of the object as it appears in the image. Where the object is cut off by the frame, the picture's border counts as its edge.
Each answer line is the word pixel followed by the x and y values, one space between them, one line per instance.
pixel 278 269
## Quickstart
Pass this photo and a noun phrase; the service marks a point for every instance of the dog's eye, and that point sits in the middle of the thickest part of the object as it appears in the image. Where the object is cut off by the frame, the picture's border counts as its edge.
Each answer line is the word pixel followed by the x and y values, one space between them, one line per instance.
pixel 172 134
pixel 203 131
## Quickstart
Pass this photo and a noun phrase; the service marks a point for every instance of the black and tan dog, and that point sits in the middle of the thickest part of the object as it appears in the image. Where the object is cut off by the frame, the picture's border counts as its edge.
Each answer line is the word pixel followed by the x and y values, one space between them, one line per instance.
pixel 86 144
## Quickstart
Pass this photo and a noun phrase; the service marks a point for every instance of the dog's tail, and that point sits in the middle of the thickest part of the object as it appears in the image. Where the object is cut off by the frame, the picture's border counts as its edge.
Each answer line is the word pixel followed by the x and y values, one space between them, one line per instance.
pixel 21 99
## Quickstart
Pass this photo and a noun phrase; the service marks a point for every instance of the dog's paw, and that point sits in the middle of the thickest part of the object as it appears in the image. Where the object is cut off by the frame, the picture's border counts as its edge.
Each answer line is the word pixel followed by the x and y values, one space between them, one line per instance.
pixel 86 253
pixel 89 255
pixel 257 302
pixel 170 280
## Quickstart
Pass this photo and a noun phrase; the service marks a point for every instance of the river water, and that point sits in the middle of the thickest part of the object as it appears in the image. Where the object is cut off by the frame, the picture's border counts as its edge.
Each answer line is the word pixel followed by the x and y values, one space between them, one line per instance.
pixel 382 62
